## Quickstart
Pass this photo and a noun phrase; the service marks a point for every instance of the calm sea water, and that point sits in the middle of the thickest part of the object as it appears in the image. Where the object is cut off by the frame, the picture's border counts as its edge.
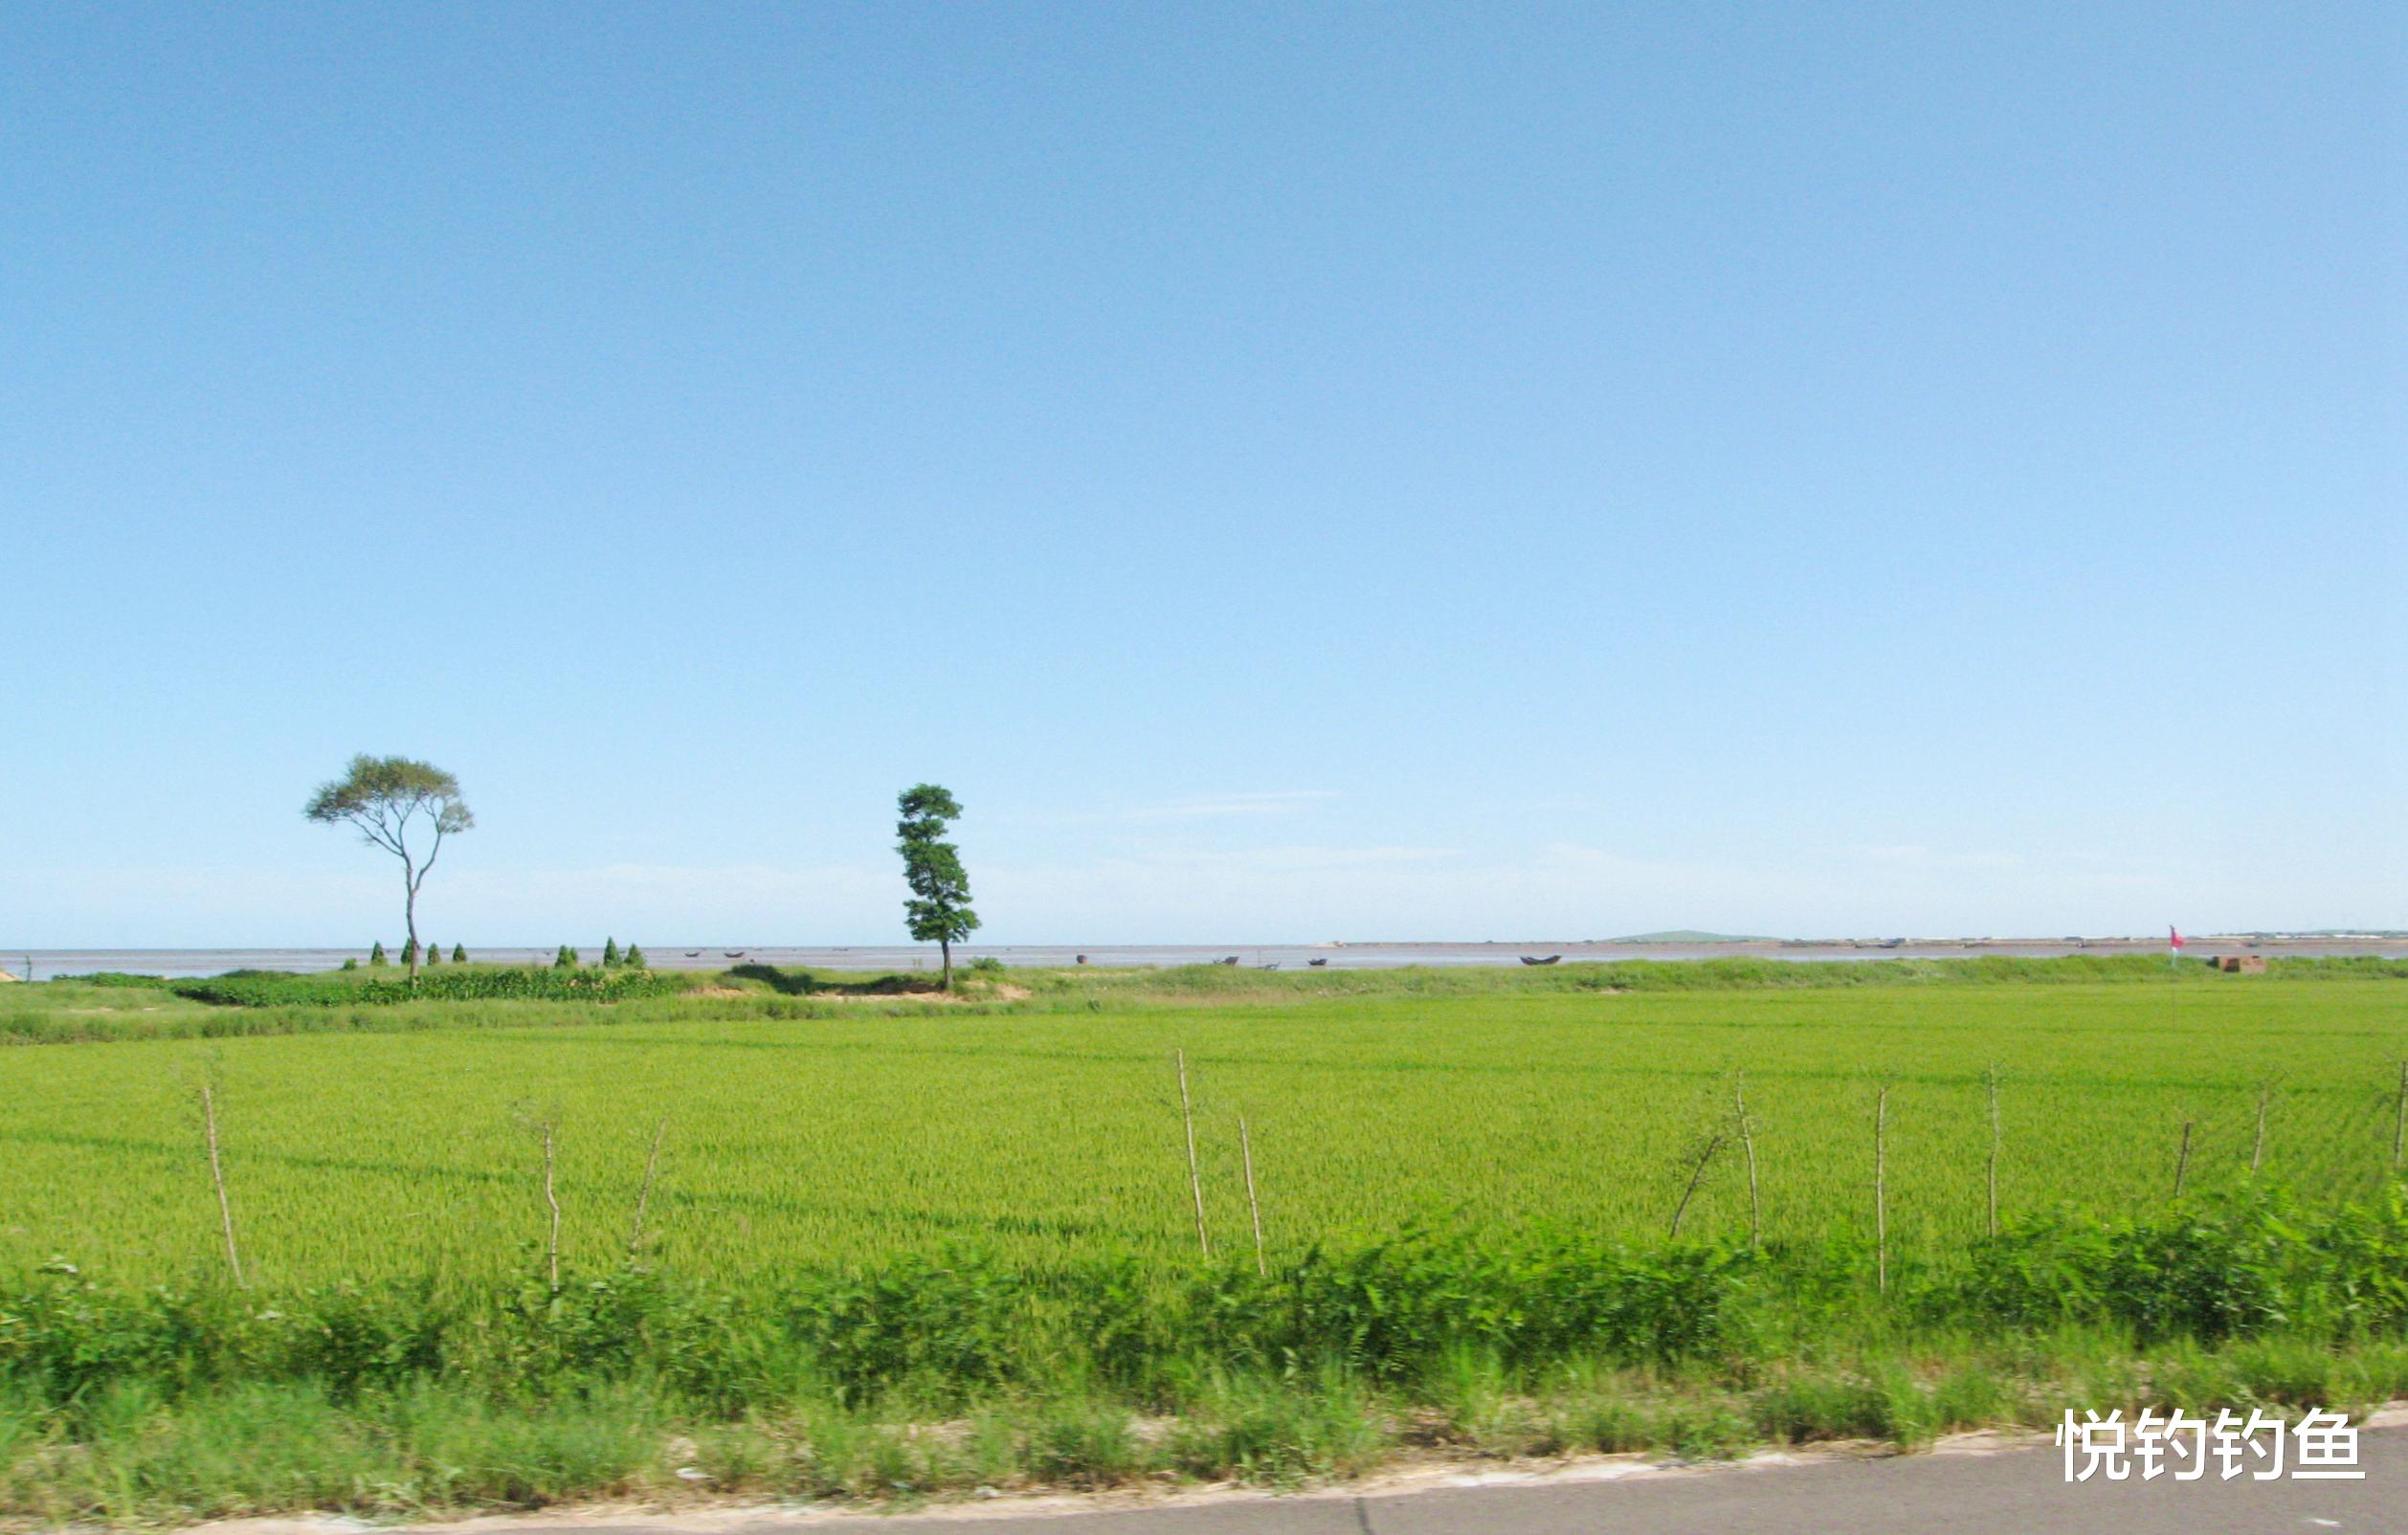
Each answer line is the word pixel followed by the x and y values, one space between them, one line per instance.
pixel 47 962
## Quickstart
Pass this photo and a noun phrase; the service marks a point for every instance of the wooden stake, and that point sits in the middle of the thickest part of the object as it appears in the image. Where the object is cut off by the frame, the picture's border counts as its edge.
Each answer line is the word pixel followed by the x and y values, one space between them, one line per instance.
pixel 1196 1178
pixel 2182 1160
pixel 218 1176
pixel 2257 1152
pixel 1253 1206
pixel 1994 1151
pixel 1713 1144
pixel 2399 1116
pixel 1748 1141
pixel 551 1198
pixel 652 1163
pixel 1881 1193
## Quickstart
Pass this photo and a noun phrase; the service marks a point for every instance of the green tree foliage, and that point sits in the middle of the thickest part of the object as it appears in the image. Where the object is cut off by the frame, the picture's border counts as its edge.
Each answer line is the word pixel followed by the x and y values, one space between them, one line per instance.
pixel 410 953
pixel 610 953
pixel 434 952
pixel 459 955
pixel 350 963
pixel 938 911
pixel 376 954
pixel 385 799
pixel 633 957
pixel 566 959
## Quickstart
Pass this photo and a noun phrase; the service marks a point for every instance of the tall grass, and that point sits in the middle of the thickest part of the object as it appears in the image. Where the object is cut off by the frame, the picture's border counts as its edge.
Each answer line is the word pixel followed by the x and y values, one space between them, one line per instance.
pixel 916 1375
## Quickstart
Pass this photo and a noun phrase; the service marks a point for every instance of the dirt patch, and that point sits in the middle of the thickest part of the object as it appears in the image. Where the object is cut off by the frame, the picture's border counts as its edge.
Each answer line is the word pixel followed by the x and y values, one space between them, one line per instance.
pixel 902 993
pixel 950 999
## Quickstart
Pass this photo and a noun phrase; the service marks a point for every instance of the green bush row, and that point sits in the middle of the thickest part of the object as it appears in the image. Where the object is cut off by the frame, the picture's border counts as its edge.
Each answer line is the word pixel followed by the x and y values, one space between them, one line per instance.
pixel 947 1327
pixel 268 989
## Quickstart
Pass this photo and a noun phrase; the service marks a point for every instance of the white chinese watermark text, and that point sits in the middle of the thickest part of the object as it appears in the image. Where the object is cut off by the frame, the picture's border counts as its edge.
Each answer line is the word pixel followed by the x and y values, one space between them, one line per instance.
pixel 2322 1446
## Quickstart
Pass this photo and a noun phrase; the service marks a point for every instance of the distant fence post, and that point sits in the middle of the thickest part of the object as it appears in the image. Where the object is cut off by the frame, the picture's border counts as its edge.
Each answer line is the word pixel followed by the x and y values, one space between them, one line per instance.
pixel 1880 1193
pixel 1196 1178
pixel 644 1198
pixel 1748 1141
pixel 1253 1206
pixel 2182 1160
pixel 1994 1151
pixel 2399 1116
pixel 2257 1149
pixel 1713 1144
pixel 217 1177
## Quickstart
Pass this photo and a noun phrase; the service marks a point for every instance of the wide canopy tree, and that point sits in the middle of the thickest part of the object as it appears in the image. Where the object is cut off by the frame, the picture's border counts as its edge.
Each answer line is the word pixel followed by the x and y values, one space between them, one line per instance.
pixel 405 807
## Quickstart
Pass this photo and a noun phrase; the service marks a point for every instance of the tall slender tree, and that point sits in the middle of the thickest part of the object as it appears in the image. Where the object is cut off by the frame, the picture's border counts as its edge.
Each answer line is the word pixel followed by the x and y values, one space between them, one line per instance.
pixel 938 911
pixel 389 801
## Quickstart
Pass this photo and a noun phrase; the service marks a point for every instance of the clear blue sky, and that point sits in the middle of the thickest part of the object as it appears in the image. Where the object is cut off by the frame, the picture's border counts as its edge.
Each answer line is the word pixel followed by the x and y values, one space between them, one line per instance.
pixel 1295 472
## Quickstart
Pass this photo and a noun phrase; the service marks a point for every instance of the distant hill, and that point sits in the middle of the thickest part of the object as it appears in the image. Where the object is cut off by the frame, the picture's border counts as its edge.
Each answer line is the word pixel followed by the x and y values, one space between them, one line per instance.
pixel 1689 935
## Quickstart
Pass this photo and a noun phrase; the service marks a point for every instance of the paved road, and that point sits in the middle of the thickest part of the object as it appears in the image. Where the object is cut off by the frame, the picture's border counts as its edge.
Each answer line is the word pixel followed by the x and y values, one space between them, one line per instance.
pixel 2011 1492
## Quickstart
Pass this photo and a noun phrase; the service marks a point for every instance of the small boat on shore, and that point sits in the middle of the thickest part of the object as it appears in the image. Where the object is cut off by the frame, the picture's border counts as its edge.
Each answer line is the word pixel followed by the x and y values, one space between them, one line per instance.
pixel 1317 964
pixel 1532 959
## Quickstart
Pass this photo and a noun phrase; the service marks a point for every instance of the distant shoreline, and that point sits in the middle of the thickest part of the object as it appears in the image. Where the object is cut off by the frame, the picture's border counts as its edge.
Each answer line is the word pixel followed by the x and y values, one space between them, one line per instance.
pixel 1379 954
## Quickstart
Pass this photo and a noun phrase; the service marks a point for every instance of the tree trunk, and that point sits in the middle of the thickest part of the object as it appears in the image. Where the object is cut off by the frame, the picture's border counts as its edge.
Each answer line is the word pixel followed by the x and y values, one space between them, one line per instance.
pixel 945 947
pixel 410 920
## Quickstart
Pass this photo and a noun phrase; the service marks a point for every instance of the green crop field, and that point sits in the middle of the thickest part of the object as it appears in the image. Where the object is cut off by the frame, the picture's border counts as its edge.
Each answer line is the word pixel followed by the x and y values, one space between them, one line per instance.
pixel 897 1247
pixel 1045 1132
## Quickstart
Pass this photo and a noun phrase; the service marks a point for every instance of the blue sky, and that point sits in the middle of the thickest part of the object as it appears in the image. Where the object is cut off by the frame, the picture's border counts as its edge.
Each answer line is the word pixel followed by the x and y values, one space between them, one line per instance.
pixel 1294 472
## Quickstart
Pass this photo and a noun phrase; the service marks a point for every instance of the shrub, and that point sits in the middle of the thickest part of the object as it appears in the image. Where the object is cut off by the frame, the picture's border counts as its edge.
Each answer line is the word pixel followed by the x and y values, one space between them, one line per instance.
pixel 263 989
pixel 2228 1265
pixel 459 955
pixel 610 953
pixel 376 954
pixel 409 953
pixel 434 953
pixel 566 959
pixel 350 963
pixel 633 957
pixel 985 965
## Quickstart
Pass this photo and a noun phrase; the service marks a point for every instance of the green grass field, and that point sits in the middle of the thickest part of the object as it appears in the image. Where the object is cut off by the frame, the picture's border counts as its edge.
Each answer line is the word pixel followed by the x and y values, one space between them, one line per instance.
pixel 1040 1131
pixel 900 1247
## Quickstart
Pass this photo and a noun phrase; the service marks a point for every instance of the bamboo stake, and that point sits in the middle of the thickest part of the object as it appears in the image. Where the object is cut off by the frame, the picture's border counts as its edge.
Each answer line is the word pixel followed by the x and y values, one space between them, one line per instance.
pixel 1713 1144
pixel 644 1198
pixel 2182 1160
pixel 218 1176
pixel 1253 1206
pixel 1196 1179
pixel 2257 1152
pixel 1994 1151
pixel 1881 1193
pixel 551 1198
pixel 2399 1114
pixel 1747 1140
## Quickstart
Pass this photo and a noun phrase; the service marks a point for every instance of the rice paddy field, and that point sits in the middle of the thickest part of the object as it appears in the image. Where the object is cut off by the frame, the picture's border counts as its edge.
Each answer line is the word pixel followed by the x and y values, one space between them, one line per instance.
pixel 1046 1126
pixel 896 1247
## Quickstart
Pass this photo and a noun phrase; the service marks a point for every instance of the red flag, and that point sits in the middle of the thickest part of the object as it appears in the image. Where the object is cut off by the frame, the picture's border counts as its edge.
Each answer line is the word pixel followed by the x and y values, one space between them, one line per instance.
pixel 2173 936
